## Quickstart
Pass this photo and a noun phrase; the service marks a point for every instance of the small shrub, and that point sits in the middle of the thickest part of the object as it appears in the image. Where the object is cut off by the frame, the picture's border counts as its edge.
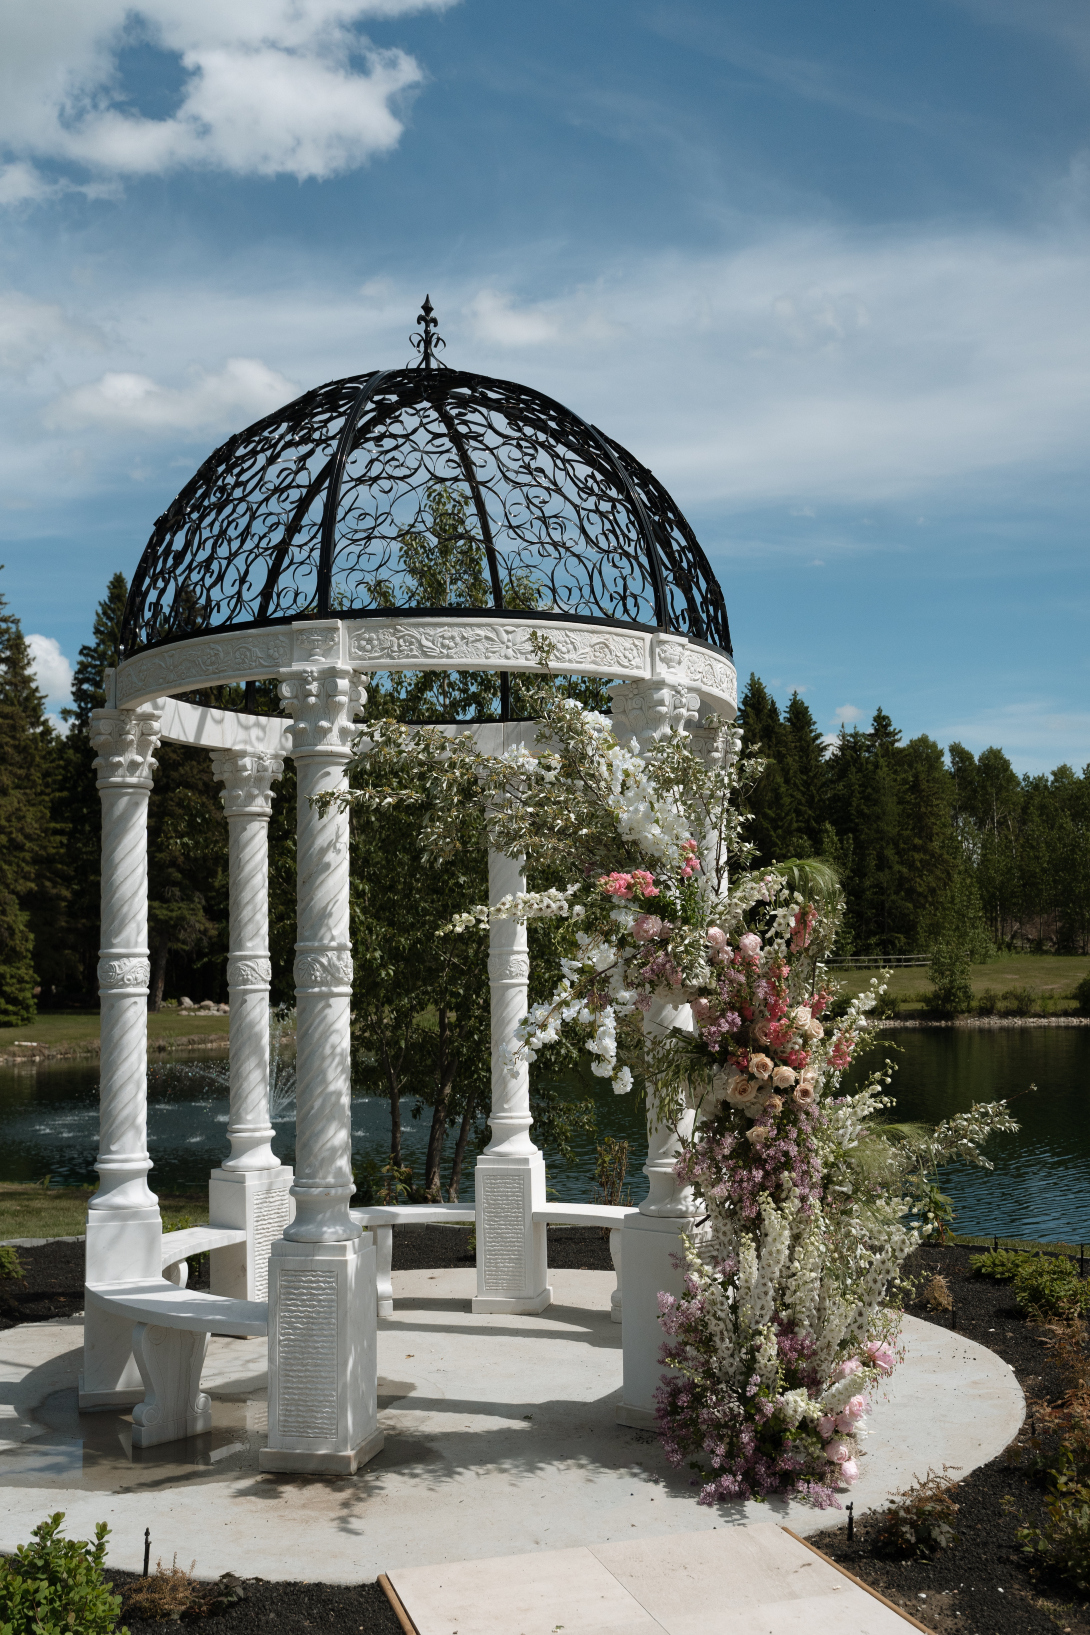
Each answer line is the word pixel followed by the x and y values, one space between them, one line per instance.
pixel 920 1521
pixel 1002 1264
pixel 10 1264
pixel 1062 1545
pixel 888 1005
pixel 1018 1001
pixel 1081 996
pixel 1048 1289
pixel 936 1294
pixel 987 1003
pixel 54 1585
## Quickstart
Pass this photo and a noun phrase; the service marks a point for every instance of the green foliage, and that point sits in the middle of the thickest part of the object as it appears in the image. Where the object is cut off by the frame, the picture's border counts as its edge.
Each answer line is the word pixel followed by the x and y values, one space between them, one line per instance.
pixel 919 1522
pixel 1082 996
pixel 1020 1001
pixel 1047 1288
pixel 952 992
pixel 54 1585
pixel 1062 1544
pixel 610 1172
pixel 10 1264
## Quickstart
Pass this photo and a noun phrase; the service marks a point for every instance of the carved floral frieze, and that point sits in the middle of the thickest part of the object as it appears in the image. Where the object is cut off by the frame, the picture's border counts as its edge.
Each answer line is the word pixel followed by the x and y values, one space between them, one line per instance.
pixel 248 971
pixel 329 972
pixel 205 660
pixel 488 644
pixel 117 975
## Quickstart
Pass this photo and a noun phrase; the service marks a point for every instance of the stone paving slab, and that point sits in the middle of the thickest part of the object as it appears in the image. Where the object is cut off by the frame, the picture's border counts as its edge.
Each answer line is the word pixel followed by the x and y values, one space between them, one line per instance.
pixel 500 1440
pixel 747 1580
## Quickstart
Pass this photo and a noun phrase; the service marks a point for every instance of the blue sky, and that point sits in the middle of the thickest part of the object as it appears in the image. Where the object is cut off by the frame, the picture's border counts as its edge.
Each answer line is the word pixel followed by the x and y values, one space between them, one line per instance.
pixel 823 268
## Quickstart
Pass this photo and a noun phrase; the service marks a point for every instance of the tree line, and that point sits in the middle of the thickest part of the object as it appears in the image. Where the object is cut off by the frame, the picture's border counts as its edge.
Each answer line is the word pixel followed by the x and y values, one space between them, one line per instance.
pixel 931 847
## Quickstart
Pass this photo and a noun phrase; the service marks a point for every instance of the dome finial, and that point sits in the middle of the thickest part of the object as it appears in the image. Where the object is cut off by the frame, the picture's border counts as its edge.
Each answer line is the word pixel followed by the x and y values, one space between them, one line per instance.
pixel 427 341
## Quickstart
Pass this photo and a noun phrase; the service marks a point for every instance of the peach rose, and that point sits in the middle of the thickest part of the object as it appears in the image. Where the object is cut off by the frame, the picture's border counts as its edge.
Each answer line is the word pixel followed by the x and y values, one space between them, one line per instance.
pixel 803 1016
pixel 773 1104
pixel 758 1134
pixel 814 1030
pixel 803 1094
pixel 742 1093
pixel 761 1066
pixel 783 1078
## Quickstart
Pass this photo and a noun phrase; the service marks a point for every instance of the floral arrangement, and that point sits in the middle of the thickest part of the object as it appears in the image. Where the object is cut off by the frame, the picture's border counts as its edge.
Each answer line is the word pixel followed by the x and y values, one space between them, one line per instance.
pixel 703 982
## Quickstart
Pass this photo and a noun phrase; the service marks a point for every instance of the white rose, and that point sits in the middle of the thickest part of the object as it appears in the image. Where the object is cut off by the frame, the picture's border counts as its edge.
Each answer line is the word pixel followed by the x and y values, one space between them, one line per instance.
pixel 783 1078
pixel 802 1016
pixel 815 1030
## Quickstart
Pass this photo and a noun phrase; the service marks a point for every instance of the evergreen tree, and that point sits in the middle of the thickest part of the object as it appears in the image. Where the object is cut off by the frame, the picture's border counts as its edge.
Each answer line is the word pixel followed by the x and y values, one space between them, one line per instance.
pixel 806 778
pixel 772 824
pixel 30 837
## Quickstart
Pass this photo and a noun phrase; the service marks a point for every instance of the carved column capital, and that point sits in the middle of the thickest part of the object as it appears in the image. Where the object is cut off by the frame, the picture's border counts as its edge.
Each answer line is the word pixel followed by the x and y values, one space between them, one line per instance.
pixel 323 704
pixel 648 710
pixel 125 742
pixel 247 777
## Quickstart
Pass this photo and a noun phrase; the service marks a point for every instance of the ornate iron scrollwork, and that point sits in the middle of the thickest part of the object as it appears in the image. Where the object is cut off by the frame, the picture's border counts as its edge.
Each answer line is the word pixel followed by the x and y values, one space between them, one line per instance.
pixel 319 509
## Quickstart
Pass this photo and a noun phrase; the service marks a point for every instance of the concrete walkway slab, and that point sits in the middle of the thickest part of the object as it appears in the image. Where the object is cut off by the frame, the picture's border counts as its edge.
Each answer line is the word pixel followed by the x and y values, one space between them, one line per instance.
pixel 500 1440
pixel 747 1580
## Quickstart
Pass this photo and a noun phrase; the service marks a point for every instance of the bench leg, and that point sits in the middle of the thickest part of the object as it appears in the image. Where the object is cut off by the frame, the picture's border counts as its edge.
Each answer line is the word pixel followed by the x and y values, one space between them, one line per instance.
pixel 384 1277
pixel 177 1273
pixel 615 1253
pixel 170 1362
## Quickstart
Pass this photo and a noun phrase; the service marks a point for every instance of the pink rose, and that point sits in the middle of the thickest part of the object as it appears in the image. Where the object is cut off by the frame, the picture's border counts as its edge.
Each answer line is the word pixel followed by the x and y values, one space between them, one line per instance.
pixel 826 1425
pixel 881 1355
pixel 716 939
pixel 761 1066
pixel 783 1078
pixel 849 1471
pixel 750 944
pixel 851 1366
pixel 837 1452
pixel 702 1011
pixel 804 1093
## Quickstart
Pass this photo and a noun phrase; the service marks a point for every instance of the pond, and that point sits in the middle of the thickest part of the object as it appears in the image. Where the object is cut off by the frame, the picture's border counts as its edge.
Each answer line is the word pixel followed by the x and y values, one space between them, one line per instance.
pixel 1040 1187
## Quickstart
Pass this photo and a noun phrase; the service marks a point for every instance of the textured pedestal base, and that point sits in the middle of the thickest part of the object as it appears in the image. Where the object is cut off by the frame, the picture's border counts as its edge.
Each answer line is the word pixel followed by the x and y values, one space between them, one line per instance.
pixel 512 1255
pixel 257 1201
pixel 649 1244
pixel 323 1367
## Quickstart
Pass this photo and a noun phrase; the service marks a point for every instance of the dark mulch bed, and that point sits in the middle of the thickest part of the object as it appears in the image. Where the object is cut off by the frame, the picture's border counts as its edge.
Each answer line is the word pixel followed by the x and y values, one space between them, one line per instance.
pixel 51 1288
pixel 435 1248
pixel 281 1607
pixel 982 1585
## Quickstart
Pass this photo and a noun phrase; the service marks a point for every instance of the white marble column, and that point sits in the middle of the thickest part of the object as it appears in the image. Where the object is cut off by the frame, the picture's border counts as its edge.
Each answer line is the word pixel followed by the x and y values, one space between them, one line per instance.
pixel 124 1231
pixel 250 1188
pixel 512 1266
pixel 646 711
pixel 322 1300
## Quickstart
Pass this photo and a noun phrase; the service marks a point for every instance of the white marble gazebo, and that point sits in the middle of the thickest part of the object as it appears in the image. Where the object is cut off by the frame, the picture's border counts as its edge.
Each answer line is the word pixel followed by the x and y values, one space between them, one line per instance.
pixel 281 560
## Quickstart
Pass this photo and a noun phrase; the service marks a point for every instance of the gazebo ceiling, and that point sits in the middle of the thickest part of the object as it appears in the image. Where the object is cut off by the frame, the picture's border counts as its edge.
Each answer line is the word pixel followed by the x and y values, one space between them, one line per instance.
pixel 418 491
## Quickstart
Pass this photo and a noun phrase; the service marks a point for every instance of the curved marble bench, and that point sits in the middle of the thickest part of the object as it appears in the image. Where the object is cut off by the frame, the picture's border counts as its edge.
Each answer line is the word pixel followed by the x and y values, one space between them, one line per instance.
pixel 611 1215
pixel 170 1329
pixel 178 1247
pixel 381 1220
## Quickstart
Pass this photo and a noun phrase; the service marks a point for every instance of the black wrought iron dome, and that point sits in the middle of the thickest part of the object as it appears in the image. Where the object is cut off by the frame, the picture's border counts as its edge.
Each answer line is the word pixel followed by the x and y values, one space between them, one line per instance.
pixel 419 491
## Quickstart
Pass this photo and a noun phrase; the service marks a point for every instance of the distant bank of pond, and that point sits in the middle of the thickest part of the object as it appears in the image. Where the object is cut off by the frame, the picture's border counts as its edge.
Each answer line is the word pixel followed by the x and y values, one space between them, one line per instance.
pixel 1040 1187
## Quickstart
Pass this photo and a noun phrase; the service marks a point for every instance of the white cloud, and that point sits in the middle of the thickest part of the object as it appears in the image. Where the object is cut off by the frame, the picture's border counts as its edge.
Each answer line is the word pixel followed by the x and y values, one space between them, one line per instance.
pixel 269 87
pixel 31 330
pixel 243 390
pixel 51 668
pixel 846 713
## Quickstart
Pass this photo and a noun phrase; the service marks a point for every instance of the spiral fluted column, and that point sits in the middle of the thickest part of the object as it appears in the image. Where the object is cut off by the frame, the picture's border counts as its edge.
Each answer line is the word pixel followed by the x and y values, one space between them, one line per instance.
pixel 124 1231
pixel 512 1267
pixel 322 1294
pixel 648 711
pixel 250 1188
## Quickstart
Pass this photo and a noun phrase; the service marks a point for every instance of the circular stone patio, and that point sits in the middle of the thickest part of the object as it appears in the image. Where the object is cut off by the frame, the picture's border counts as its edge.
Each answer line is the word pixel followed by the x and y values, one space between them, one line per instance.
pixel 500 1439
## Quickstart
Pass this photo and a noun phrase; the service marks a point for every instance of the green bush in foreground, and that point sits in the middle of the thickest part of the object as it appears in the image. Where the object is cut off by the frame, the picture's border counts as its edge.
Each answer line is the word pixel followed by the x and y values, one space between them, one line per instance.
pixel 10 1264
pixel 1082 996
pixel 1047 1287
pixel 54 1586
pixel 1063 1544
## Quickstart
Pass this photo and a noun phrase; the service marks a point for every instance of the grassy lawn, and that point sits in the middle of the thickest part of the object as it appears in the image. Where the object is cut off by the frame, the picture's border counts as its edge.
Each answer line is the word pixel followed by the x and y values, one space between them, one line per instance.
pixel 1050 977
pixel 79 1030
pixel 26 1211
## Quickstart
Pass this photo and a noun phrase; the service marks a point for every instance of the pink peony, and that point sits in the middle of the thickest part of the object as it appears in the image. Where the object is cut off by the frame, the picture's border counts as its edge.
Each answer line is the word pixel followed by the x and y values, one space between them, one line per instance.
pixel 881 1355
pixel 646 927
pixel 750 944
pixel 716 940
pixel 826 1426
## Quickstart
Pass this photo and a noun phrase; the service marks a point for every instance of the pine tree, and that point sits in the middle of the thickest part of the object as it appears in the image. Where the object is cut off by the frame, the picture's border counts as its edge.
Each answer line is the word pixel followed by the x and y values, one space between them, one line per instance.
pixel 29 839
pixel 772 826
pixel 78 802
pixel 806 776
